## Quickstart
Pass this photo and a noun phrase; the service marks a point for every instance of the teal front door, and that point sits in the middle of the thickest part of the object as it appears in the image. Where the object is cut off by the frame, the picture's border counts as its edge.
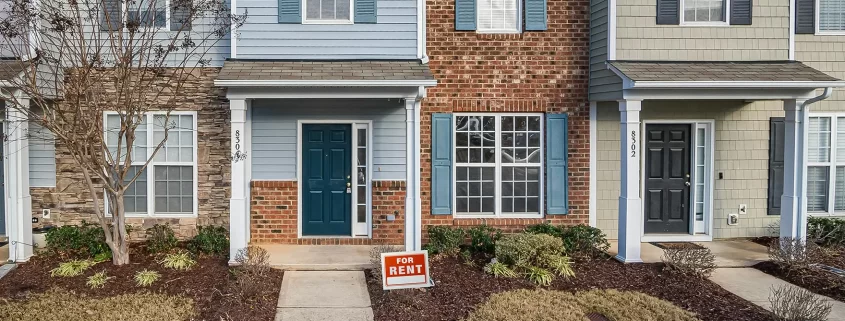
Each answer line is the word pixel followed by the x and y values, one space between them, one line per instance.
pixel 326 176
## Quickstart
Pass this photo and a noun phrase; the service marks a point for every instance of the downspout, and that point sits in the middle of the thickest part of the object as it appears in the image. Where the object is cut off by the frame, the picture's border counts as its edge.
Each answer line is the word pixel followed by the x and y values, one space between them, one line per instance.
pixel 791 52
pixel 421 32
pixel 825 95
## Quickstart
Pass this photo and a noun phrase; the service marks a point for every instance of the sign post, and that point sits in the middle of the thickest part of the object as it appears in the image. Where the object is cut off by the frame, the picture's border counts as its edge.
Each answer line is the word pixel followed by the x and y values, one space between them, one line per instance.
pixel 405 270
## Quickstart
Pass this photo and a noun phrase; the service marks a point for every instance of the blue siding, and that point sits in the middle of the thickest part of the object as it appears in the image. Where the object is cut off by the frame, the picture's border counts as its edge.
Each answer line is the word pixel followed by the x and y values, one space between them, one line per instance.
pixel 274 130
pixel 42 157
pixel 393 36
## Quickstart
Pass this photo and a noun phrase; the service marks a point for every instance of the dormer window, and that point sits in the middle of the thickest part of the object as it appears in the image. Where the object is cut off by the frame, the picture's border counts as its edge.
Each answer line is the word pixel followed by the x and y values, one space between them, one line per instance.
pixel 703 11
pixel 327 11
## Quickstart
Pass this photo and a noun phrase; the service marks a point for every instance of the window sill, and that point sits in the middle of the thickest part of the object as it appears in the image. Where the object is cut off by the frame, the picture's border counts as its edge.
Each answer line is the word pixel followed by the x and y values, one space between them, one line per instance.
pixel 161 216
pixel 328 22
pixel 826 214
pixel 830 33
pixel 503 216
pixel 705 24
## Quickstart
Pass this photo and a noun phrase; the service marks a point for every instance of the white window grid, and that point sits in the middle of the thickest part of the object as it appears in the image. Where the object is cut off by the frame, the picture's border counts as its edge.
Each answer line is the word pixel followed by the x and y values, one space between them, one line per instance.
pixel 497 166
pixel 361 174
pixel 350 20
pixel 698 174
pixel 725 21
pixel 149 176
pixel 146 4
pixel 491 12
pixel 834 29
pixel 831 166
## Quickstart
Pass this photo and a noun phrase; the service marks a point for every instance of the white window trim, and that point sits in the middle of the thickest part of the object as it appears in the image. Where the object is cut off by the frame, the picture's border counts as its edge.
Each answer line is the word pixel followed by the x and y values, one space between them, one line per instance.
pixel 820 32
pixel 349 21
pixel 150 168
pixel 498 168
pixel 125 12
pixel 725 23
pixel 519 4
pixel 831 164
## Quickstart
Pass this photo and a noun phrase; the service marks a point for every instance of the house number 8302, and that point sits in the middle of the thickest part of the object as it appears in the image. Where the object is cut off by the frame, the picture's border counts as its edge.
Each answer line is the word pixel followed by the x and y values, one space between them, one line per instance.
pixel 633 143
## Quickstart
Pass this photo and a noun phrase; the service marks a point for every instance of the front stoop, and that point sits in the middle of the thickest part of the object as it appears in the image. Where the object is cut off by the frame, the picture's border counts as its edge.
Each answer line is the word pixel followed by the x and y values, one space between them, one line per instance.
pixel 324 296
pixel 319 257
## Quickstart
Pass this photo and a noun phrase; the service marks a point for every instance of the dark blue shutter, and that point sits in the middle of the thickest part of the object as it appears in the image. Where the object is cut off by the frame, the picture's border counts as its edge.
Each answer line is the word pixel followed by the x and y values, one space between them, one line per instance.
pixel 441 163
pixel 557 176
pixel 290 11
pixel 111 17
pixel 180 15
pixel 464 14
pixel 741 12
pixel 535 15
pixel 365 11
pixel 668 12
pixel 805 16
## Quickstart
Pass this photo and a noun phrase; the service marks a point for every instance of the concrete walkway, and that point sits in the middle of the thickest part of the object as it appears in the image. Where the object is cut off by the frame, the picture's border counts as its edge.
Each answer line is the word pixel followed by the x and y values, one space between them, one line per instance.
pixel 729 252
pixel 755 286
pixel 324 296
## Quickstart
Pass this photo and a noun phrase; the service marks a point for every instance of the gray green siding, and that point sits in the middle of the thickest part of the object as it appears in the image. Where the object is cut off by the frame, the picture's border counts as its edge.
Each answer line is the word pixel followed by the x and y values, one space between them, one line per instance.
pixel 604 84
pixel 825 53
pixel 274 133
pixel 394 36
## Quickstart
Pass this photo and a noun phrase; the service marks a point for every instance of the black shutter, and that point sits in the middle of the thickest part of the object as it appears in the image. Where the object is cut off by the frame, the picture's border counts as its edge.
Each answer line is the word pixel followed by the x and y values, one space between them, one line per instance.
pixel 668 12
pixel 776 142
pixel 805 16
pixel 741 12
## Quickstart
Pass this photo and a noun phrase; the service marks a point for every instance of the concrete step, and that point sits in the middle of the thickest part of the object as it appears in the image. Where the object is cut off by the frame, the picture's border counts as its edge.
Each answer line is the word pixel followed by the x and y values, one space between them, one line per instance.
pixel 319 257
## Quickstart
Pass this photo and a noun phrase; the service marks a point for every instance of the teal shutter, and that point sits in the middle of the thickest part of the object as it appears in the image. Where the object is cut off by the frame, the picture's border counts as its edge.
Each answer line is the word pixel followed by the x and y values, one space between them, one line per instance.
pixel 290 11
pixel 441 163
pixel 465 15
pixel 365 11
pixel 535 15
pixel 557 176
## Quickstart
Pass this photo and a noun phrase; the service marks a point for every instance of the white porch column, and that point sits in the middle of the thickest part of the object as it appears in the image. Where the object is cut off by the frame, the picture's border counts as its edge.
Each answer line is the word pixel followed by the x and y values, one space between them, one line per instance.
pixel 413 208
pixel 793 217
pixel 238 203
pixel 18 201
pixel 630 203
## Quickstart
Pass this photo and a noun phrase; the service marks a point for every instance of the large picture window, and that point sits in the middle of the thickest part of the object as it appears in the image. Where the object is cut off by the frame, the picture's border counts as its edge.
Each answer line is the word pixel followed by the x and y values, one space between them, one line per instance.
pixel 168 185
pixel 704 11
pixel 498 165
pixel 826 164
pixel 831 16
pixel 498 16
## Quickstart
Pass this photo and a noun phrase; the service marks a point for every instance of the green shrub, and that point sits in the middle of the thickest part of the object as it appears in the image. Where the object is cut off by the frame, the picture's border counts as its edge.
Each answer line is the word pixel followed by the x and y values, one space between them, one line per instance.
pixel 561 265
pixel 87 240
pixel 539 276
pixel 826 231
pixel 483 239
pixel 180 260
pixel 584 241
pixel 544 228
pixel 72 268
pixel 160 238
pixel 98 280
pixel 526 249
pixel 499 270
pixel 210 240
pixel 444 240
pixel 146 277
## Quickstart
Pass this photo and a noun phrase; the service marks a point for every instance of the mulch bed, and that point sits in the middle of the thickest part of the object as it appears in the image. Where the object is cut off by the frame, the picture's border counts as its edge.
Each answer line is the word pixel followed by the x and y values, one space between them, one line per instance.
pixel 460 287
pixel 209 284
pixel 813 279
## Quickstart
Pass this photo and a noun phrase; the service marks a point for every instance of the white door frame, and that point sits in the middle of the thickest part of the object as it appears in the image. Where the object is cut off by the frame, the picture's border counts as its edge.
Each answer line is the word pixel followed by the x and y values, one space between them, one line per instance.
pixel 709 126
pixel 353 206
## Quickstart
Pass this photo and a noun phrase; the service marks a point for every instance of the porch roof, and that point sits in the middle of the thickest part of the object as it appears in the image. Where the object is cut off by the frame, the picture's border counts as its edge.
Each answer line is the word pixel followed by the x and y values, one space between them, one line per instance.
pixel 721 74
pixel 325 73
pixel 11 68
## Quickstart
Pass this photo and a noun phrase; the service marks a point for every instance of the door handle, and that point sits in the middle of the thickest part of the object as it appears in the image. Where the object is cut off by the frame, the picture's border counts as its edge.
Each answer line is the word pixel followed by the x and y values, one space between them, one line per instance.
pixel 686 183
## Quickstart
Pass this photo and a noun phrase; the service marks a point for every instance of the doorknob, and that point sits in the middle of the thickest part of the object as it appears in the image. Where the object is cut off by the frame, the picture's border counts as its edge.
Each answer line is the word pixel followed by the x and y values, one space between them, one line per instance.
pixel 686 183
pixel 348 184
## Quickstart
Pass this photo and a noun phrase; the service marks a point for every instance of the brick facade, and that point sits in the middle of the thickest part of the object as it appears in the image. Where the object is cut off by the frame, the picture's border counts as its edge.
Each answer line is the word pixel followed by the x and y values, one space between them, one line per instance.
pixel 70 202
pixel 274 219
pixel 535 71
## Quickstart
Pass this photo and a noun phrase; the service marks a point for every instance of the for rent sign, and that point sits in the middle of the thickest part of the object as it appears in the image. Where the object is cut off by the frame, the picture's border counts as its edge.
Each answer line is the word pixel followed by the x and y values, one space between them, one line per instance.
pixel 404 270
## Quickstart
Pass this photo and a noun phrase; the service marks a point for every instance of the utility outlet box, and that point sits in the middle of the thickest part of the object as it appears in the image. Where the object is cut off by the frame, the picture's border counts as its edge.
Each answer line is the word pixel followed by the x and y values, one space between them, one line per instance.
pixel 391 218
pixel 743 209
pixel 45 213
pixel 733 219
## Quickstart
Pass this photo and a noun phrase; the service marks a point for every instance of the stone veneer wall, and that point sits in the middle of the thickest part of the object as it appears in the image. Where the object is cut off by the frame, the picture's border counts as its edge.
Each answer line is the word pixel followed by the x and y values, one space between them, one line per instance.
pixel 70 201
pixel 274 219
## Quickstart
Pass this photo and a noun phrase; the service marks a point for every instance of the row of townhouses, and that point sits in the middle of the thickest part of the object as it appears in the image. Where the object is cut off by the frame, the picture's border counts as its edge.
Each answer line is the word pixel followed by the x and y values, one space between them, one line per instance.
pixel 367 121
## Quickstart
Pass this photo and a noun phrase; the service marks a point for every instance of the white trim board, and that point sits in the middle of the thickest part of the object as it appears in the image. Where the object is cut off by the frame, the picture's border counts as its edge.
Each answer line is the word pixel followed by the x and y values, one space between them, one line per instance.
pixel 330 82
pixel 709 126
pixel 593 207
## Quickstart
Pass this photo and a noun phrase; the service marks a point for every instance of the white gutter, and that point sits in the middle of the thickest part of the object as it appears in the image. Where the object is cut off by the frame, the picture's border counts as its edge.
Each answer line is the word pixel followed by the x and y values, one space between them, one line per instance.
pixel 825 95
pixel 735 84
pixel 330 83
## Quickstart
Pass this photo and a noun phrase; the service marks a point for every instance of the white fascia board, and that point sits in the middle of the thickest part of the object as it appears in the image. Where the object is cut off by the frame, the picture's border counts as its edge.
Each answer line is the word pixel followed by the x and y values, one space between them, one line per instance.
pixel 736 84
pixel 332 83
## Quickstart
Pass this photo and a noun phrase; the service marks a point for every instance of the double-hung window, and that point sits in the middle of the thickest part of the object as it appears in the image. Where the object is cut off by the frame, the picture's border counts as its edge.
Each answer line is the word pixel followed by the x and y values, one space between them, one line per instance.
pixel 498 16
pixel 706 12
pixel 167 188
pixel 826 164
pixel 498 166
pixel 328 11
pixel 147 13
pixel 831 16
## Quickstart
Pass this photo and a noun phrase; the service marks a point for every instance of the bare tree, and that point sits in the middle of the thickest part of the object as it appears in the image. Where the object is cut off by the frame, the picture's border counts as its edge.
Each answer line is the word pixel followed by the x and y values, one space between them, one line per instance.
pixel 77 60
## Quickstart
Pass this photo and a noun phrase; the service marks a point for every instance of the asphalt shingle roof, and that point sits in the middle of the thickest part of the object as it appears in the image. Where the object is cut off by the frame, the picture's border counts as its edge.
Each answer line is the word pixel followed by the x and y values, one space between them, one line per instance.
pixel 324 70
pixel 11 68
pixel 763 71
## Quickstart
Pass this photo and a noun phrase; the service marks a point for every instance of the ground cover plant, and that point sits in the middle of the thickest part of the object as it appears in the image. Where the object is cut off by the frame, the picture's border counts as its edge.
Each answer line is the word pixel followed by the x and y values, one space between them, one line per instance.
pixel 69 306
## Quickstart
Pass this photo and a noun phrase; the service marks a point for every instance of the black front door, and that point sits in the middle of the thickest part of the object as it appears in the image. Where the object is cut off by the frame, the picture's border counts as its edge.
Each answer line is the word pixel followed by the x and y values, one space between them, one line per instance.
pixel 326 173
pixel 667 173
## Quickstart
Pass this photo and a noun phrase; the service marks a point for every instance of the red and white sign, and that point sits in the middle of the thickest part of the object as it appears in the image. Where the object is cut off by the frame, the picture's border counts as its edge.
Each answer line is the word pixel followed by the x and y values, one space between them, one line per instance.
pixel 405 270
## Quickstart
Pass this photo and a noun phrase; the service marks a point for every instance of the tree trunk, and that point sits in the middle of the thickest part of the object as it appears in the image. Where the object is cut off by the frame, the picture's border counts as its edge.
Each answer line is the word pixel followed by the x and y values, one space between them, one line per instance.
pixel 120 252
